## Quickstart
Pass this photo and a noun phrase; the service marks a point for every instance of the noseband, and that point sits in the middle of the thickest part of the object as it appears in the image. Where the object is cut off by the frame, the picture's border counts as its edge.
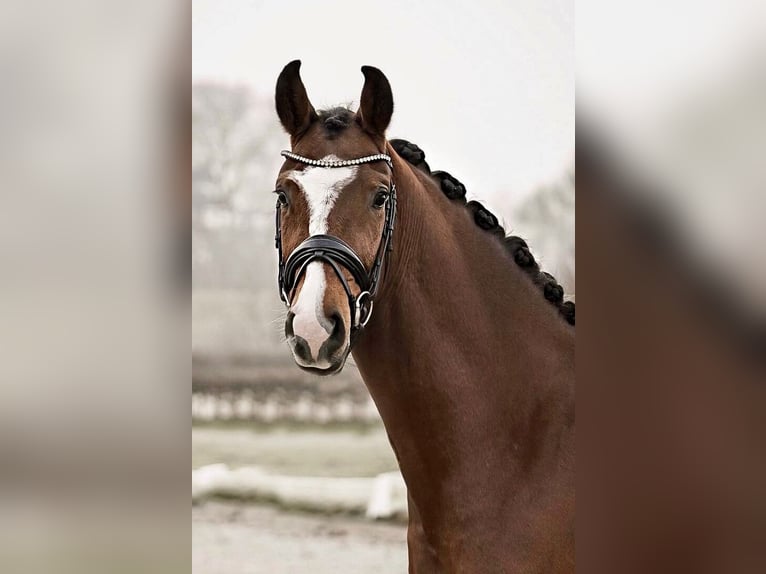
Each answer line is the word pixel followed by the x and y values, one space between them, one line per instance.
pixel 337 253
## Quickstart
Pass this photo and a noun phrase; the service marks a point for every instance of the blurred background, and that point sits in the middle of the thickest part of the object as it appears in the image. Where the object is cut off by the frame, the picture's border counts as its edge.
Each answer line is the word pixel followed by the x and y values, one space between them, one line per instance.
pixel 93 323
pixel 293 472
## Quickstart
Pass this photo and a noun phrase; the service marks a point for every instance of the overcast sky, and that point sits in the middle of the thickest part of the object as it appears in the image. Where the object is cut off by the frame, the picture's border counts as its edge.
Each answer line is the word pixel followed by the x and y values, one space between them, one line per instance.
pixel 485 88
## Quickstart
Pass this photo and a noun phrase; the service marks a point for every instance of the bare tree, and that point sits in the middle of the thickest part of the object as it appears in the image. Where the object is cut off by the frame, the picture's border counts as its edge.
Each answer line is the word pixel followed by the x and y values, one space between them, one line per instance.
pixel 234 133
pixel 547 220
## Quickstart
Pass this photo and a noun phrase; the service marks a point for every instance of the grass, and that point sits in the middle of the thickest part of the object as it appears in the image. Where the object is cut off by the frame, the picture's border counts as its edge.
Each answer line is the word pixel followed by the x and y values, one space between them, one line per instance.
pixel 341 450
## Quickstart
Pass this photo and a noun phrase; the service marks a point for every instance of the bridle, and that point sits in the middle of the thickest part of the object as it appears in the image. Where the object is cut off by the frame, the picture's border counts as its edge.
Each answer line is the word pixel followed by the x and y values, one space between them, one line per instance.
pixel 337 253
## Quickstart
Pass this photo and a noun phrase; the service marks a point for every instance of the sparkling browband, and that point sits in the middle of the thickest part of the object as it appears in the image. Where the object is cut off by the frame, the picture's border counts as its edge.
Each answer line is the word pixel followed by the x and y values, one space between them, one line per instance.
pixel 338 163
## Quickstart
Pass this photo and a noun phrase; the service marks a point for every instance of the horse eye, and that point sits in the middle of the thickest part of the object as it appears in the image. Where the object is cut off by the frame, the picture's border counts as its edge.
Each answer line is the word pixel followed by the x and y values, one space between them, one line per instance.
pixel 281 198
pixel 380 199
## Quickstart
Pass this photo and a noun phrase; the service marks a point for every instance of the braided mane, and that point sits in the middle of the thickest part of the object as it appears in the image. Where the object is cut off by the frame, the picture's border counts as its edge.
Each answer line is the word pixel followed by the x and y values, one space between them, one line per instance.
pixel 516 246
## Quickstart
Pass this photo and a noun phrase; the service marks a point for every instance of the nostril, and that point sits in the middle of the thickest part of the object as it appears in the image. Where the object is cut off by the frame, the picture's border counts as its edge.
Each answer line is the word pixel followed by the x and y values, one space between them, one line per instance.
pixel 336 322
pixel 289 332
pixel 302 350
pixel 337 337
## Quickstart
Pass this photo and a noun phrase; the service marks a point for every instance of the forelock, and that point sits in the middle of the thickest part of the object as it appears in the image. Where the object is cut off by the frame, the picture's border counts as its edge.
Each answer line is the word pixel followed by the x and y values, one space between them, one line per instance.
pixel 335 120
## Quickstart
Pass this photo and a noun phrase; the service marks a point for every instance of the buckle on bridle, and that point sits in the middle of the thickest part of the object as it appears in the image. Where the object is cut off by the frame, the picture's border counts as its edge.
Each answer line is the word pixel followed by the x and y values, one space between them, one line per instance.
pixel 362 312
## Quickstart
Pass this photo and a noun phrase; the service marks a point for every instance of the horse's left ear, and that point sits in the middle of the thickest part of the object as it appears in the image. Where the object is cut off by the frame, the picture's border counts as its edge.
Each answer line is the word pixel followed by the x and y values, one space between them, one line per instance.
pixel 293 106
pixel 377 103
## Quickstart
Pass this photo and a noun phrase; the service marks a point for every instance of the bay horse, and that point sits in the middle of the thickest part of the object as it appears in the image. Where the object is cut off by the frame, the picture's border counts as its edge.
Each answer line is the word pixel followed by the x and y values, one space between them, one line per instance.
pixel 468 351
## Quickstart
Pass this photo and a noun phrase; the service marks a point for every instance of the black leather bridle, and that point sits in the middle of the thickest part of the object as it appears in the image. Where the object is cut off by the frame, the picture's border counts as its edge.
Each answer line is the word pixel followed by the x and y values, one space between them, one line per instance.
pixel 337 253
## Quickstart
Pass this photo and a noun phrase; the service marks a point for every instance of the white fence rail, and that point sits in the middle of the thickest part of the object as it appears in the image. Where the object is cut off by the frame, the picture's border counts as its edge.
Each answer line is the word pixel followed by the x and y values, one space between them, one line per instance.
pixel 307 408
pixel 381 497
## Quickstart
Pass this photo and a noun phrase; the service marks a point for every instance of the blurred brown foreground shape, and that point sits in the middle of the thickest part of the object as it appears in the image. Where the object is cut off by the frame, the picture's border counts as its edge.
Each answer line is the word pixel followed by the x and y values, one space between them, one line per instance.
pixel 671 394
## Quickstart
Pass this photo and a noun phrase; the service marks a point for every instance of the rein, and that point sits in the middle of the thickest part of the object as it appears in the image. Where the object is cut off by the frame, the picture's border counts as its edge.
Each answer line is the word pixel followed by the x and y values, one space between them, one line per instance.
pixel 337 253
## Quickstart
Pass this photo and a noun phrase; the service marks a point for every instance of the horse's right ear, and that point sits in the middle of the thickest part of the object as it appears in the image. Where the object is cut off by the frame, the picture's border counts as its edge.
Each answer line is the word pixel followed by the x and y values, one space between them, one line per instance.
pixel 293 106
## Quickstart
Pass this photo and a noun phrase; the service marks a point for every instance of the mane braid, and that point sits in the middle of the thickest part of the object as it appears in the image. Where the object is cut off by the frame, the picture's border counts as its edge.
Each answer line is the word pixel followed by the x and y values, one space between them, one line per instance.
pixel 516 246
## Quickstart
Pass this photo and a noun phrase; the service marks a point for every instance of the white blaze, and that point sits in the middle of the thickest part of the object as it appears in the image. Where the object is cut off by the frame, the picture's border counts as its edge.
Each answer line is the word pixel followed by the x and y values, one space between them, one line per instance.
pixel 309 321
pixel 321 186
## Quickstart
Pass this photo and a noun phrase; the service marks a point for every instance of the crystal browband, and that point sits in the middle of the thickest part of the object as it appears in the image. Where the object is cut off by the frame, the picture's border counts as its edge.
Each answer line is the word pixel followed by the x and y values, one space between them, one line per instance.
pixel 340 162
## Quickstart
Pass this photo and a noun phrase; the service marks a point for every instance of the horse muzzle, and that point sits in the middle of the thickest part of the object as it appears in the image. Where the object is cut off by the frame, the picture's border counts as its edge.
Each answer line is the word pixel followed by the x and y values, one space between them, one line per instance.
pixel 319 345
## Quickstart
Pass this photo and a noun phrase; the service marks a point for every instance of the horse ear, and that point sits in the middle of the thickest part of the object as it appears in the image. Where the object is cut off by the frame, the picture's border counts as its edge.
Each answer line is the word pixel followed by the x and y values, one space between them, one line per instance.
pixel 377 103
pixel 293 106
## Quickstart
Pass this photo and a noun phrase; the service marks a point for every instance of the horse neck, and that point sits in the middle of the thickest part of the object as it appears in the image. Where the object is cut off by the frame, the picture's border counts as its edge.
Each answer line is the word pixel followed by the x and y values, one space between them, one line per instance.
pixel 468 364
